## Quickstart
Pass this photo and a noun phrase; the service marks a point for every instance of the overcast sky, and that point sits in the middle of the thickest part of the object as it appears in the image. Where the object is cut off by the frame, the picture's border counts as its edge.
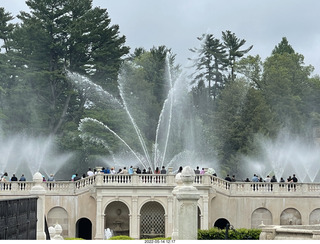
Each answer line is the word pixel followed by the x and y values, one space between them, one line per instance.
pixel 177 23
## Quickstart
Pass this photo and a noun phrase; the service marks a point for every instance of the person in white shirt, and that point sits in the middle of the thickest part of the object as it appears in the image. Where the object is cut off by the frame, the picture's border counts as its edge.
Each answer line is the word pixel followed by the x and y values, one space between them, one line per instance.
pixel 268 179
pixel 90 172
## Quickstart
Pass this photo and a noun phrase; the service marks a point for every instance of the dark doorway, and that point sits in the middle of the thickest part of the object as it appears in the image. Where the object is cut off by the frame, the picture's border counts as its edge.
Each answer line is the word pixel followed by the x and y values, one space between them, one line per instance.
pixel 84 229
pixel 221 223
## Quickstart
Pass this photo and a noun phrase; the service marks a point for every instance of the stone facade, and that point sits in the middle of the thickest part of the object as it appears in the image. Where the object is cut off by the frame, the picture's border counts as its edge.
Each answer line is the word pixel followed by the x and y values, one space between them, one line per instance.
pixel 146 205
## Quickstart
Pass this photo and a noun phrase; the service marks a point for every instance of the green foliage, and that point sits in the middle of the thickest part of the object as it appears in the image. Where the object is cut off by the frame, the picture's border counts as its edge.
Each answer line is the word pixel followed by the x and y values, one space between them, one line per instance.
pixel 238 234
pixel 113 238
pixel 73 239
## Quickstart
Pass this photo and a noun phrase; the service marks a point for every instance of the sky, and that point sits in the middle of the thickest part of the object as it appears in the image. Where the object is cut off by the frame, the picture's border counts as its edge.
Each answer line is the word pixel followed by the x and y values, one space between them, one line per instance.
pixel 177 24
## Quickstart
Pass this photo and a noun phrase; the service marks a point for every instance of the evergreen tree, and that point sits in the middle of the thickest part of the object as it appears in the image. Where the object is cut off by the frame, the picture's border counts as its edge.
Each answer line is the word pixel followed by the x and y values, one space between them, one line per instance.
pixel 210 64
pixel 6 28
pixel 284 81
pixel 64 34
pixel 283 47
pixel 233 44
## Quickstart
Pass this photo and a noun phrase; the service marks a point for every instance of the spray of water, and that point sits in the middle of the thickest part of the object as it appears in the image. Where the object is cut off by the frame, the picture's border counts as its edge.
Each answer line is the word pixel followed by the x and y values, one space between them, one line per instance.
pixel 163 149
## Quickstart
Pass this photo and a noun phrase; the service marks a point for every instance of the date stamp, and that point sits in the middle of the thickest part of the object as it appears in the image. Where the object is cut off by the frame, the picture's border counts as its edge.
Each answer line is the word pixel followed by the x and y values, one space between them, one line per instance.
pixel 160 241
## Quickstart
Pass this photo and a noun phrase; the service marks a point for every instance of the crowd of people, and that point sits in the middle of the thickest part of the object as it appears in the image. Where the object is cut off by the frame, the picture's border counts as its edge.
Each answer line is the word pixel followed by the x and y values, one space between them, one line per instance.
pixel 5 177
pixel 257 178
pixel 124 170
pixel 106 170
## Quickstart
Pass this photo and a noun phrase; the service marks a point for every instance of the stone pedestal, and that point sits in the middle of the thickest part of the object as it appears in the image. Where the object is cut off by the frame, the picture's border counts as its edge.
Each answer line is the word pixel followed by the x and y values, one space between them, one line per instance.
pixel 39 191
pixel 187 197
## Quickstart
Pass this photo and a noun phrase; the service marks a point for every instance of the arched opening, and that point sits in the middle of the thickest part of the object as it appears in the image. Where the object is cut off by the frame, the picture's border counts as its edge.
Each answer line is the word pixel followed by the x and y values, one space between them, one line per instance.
pixel 117 218
pixel 84 229
pixel 314 218
pixel 221 223
pixel 261 215
pixel 152 220
pixel 290 216
pixel 58 215
pixel 199 218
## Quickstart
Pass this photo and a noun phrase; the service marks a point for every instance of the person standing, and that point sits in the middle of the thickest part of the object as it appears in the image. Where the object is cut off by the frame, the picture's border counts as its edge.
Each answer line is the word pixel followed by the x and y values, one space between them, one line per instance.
pixel 157 171
pixel 273 179
pixel 228 178
pixel 197 171
pixel 130 171
pixel 163 170
pixel 5 177
pixel 90 172
pixel 112 171
pixel 233 179
pixel 51 178
pixel 294 178
pixel 22 178
pixel 255 178
pixel 14 178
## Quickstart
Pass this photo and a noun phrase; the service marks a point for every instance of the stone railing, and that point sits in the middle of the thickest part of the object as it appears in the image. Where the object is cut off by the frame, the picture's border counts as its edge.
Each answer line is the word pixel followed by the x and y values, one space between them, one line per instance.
pixel 145 180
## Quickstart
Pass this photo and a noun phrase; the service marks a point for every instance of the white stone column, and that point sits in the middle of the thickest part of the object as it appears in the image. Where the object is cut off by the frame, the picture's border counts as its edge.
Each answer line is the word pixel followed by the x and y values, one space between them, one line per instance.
pixel 187 210
pixel 39 191
pixel 99 220
pixel 170 216
pixel 175 216
pixel 205 214
pixel 134 224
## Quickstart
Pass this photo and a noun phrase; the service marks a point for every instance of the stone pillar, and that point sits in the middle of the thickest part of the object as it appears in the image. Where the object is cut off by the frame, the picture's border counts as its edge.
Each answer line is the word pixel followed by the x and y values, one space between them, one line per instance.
pixel 175 234
pixel 187 207
pixel 99 220
pixel 170 215
pixel 39 191
pixel 134 230
pixel 205 214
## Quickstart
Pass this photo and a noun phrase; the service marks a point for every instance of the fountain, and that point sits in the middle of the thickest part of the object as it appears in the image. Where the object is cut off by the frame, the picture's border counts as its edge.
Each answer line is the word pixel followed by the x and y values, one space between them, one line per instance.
pixel 176 135
pixel 22 154
pixel 284 156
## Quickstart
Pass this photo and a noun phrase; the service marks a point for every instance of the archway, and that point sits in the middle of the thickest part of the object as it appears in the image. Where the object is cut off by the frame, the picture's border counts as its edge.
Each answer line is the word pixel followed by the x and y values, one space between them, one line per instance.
pixel 152 220
pixel 59 215
pixel 314 218
pixel 261 215
pixel 290 216
pixel 117 218
pixel 84 229
pixel 221 223
pixel 199 218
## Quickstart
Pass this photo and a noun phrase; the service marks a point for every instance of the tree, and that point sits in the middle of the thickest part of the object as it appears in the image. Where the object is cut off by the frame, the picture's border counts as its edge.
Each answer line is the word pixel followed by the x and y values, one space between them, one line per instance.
pixel 251 68
pixel 283 47
pixel 284 81
pixel 64 34
pixel 6 28
pixel 233 44
pixel 210 64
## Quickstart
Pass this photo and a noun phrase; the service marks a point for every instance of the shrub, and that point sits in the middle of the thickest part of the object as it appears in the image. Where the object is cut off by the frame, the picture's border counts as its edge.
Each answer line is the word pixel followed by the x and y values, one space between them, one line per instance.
pixel 121 238
pixel 238 234
pixel 73 238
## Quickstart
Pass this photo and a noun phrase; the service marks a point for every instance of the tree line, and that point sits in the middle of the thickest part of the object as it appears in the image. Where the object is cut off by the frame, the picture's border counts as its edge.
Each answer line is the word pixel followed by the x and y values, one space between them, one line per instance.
pixel 237 96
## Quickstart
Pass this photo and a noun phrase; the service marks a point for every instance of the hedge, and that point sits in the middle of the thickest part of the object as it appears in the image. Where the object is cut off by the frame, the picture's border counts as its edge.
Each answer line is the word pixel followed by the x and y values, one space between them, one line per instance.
pixel 238 234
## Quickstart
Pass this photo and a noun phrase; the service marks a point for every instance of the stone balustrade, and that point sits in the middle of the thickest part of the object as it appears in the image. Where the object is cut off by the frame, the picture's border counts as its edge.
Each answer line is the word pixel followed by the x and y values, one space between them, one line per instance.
pixel 145 180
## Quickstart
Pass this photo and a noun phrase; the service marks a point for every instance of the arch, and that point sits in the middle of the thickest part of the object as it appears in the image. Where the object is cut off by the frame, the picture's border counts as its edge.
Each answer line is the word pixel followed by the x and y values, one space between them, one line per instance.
pixel 314 217
pixel 221 223
pixel 290 216
pixel 152 220
pixel 84 229
pixel 261 215
pixel 117 218
pixel 58 215
pixel 199 218
pixel 153 200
